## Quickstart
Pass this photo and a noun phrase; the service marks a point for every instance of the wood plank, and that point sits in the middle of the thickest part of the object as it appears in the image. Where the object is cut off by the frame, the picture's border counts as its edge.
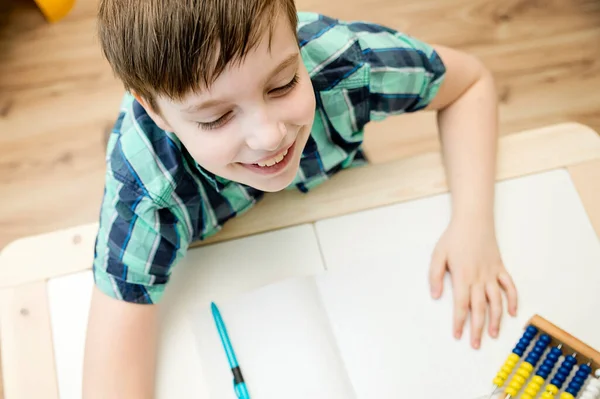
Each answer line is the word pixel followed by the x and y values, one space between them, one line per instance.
pixel 553 147
pixel 27 349
pixel 58 96
pixel 586 177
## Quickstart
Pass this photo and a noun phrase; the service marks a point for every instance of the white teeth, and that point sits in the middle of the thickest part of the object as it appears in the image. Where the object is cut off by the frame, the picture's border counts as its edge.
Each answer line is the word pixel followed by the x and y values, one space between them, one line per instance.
pixel 273 161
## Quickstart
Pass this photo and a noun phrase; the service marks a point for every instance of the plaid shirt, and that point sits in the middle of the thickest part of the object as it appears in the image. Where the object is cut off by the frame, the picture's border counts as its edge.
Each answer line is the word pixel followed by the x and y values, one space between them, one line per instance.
pixel 157 199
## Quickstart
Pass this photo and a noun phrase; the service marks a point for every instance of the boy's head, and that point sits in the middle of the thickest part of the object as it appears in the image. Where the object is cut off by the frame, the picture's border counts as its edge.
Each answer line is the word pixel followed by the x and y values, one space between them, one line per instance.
pixel 225 75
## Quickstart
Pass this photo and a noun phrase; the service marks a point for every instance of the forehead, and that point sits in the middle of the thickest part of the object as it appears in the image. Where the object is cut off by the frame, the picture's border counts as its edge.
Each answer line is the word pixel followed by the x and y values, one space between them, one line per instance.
pixel 277 50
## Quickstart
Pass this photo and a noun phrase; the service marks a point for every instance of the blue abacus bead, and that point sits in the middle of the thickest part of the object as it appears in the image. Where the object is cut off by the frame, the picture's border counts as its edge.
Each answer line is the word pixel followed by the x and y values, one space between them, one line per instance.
pixel 534 356
pixel 520 348
pixel 563 371
pixel 578 379
pixel 585 370
pixel 549 362
pixel 528 335
pixel 531 331
pixel 544 370
pixel 538 350
pixel 559 378
pixel 575 386
pixel 554 354
pixel 571 361
pixel 545 338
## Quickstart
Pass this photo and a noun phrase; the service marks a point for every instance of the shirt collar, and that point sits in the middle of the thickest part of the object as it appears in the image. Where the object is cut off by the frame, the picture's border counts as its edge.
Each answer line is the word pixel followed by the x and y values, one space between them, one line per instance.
pixel 216 181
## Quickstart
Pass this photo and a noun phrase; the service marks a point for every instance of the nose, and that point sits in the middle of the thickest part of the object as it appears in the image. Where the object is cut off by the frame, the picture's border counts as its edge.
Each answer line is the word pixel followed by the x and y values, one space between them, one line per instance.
pixel 266 135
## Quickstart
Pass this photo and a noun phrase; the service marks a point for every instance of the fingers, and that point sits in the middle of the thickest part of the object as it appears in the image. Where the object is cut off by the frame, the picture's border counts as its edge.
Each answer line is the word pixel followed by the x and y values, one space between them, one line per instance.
pixel 437 270
pixel 478 311
pixel 461 307
pixel 511 292
pixel 494 297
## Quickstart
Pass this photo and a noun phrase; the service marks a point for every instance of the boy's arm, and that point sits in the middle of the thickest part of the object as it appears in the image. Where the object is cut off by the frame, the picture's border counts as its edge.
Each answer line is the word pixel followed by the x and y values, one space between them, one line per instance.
pixel 408 75
pixel 120 350
pixel 138 244
pixel 467 121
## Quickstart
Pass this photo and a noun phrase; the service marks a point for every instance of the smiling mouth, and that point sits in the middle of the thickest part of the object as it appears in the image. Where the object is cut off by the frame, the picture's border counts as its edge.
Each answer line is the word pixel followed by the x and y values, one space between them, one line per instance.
pixel 275 160
pixel 273 165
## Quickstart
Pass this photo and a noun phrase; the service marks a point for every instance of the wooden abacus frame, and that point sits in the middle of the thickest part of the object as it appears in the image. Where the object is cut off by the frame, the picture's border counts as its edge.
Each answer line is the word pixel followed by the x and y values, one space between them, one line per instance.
pixel 568 341
pixel 585 353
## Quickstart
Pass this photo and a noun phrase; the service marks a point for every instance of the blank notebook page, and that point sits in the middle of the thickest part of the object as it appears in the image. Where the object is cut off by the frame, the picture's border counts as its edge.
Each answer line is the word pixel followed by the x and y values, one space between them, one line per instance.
pixel 397 342
pixel 208 273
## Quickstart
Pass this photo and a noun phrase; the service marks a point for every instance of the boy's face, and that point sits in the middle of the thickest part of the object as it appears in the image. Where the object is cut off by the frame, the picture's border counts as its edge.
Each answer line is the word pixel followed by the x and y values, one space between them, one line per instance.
pixel 253 123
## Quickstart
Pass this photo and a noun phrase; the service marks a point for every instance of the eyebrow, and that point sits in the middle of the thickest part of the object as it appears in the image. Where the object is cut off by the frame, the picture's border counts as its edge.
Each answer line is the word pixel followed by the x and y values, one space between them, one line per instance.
pixel 290 60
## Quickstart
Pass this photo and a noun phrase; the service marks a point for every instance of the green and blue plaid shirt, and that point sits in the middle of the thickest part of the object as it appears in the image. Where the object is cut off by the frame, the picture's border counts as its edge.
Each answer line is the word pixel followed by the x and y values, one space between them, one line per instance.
pixel 157 199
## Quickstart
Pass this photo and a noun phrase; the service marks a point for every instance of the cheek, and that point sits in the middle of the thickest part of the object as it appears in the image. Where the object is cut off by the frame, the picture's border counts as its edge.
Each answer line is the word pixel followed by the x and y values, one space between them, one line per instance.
pixel 301 108
pixel 210 149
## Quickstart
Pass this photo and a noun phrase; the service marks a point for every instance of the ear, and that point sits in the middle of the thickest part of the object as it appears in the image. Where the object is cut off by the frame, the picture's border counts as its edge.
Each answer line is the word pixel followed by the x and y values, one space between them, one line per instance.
pixel 154 114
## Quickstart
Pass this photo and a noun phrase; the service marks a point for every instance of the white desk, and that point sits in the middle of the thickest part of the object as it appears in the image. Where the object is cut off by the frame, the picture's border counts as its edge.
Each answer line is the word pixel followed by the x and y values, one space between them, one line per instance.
pixel 546 238
pixel 42 294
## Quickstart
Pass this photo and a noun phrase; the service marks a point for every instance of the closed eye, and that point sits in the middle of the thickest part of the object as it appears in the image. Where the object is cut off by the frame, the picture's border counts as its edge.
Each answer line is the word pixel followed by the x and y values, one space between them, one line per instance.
pixel 286 88
pixel 216 123
pixel 279 91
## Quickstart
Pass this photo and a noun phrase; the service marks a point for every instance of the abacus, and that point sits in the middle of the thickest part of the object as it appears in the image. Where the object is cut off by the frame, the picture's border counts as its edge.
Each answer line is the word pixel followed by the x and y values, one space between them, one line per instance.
pixel 566 369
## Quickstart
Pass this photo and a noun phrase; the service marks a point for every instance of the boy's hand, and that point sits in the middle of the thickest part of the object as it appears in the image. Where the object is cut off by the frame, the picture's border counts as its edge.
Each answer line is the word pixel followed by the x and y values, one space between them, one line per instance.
pixel 469 251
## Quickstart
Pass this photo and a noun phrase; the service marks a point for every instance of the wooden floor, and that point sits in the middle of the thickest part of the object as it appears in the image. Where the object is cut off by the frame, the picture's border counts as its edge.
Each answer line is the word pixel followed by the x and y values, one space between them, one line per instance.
pixel 58 97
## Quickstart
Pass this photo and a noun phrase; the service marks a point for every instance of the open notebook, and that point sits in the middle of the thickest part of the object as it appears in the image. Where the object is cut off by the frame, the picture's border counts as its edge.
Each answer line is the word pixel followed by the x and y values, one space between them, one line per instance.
pixel 367 328
pixel 336 336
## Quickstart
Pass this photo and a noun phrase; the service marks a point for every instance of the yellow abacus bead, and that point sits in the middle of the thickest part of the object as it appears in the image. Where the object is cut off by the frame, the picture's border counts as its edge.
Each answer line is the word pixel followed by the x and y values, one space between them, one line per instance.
pixel 517 381
pixel 533 387
pixel 551 388
pixel 512 391
pixel 537 382
pixel 503 374
pixel 520 377
pixel 527 366
pixel 523 373
pixel 566 395
pixel 506 369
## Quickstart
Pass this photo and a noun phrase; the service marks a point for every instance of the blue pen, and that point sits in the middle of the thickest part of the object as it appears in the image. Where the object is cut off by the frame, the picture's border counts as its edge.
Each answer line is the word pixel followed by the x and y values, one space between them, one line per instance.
pixel 238 380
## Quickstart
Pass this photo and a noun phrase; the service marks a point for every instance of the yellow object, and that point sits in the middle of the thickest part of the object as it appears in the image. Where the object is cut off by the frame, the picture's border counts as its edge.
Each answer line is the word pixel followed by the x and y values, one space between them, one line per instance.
pixel 506 369
pixel 55 10
pixel 519 379
pixel 533 387
pixel 566 395
pixel 551 390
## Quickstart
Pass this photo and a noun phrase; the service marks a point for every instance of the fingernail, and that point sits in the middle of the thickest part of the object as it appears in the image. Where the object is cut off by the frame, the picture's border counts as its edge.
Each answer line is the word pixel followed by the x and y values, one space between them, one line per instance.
pixel 476 344
pixel 494 332
pixel 457 334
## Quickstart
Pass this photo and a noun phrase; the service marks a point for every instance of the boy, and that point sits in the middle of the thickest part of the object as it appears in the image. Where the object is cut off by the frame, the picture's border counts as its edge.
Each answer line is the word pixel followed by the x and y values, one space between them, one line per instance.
pixel 231 99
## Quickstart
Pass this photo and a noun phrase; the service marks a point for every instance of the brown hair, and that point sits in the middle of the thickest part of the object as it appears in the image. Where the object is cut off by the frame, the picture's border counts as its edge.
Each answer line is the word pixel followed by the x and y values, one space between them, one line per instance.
pixel 171 47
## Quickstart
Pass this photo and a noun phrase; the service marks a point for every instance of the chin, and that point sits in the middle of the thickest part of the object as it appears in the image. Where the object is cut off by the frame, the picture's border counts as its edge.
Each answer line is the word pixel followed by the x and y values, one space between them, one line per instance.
pixel 278 183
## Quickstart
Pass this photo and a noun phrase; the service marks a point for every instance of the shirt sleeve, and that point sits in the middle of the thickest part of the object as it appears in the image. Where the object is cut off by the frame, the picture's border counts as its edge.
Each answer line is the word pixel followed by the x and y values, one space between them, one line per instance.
pixel 137 245
pixel 404 74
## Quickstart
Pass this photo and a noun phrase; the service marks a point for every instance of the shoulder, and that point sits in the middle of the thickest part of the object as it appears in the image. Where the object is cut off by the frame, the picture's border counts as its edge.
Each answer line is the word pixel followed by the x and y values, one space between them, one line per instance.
pixel 340 53
pixel 142 156
pixel 330 51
